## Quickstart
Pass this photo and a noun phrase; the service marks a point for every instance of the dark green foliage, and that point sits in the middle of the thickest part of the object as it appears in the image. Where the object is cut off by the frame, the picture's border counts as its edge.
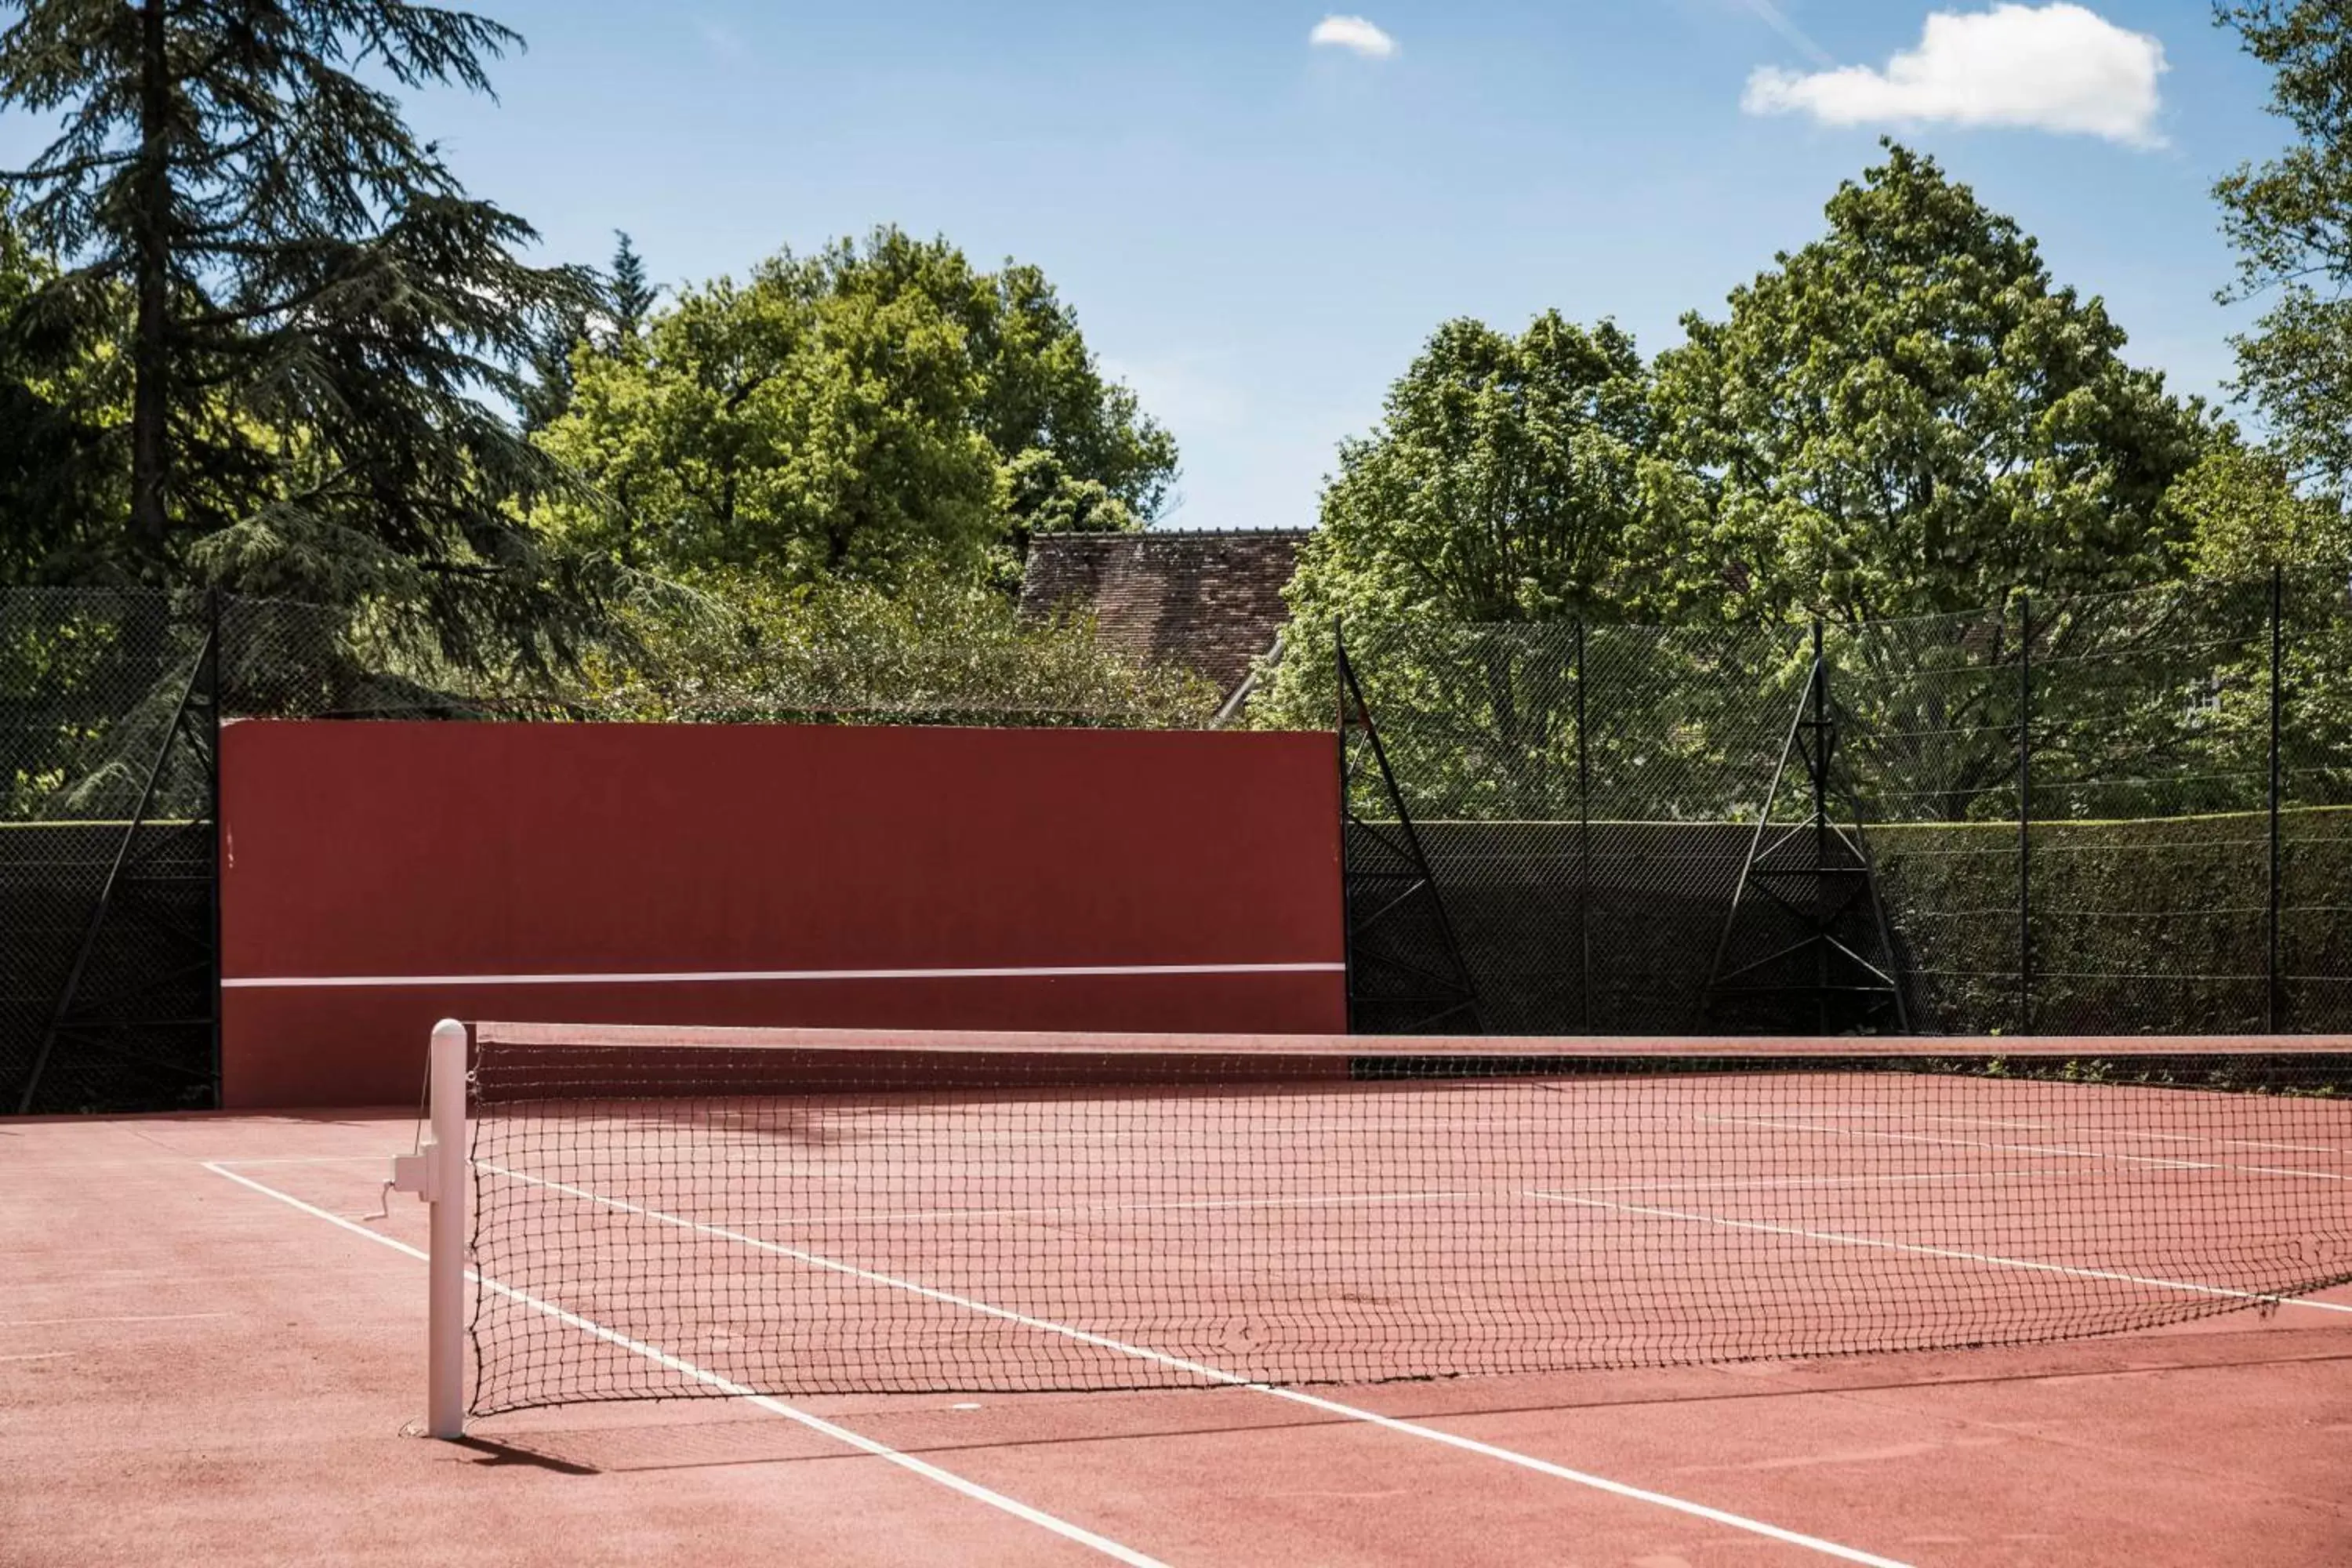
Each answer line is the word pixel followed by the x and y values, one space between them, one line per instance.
pixel 315 316
pixel 629 296
pixel 60 455
pixel 610 323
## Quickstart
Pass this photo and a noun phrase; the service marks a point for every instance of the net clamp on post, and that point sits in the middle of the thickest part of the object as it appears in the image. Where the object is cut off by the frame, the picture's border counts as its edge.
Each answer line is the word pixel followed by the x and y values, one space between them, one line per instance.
pixel 417 1173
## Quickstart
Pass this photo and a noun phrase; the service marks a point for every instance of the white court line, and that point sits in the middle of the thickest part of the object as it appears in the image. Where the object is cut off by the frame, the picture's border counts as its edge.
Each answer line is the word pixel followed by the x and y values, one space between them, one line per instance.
pixel 38 1355
pixel 864 1444
pixel 75 1322
pixel 2078 1130
pixel 302 1160
pixel 1508 1192
pixel 1219 1375
pixel 2055 1150
pixel 1922 1250
pixel 731 976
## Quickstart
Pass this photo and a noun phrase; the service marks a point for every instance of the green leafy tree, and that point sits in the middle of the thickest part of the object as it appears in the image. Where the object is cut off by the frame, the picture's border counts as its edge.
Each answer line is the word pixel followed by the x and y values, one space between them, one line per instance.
pixel 316 319
pixel 1906 417
pixel 2290 219
pixel 843 414
pixel 1504 483
pixel 2246 516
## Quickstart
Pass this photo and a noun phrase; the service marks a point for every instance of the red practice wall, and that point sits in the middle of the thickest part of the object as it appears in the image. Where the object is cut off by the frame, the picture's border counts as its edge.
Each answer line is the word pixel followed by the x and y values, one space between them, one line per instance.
pixel 484 859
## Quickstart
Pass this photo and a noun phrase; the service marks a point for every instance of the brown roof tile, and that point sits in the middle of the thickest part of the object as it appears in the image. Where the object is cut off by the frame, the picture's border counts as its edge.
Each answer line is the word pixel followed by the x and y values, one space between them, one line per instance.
pixel 1207 600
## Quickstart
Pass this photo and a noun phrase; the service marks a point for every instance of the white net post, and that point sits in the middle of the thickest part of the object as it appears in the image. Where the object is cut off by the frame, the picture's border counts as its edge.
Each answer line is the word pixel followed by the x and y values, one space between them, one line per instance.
pixel 445 1401
pixel 437 1174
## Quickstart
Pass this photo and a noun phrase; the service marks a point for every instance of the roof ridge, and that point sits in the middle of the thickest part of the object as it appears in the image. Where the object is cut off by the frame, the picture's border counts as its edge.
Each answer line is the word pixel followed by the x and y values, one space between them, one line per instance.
pixel 1129 535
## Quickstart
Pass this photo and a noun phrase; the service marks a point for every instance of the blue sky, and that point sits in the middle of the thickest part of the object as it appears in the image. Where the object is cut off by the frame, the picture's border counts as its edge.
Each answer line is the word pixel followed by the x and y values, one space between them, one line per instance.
pixel 1257 230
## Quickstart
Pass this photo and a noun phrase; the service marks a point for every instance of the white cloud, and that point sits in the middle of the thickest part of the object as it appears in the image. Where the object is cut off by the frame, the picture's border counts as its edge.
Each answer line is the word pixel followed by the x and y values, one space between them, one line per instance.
pixel 1354 35
pixel 2047 68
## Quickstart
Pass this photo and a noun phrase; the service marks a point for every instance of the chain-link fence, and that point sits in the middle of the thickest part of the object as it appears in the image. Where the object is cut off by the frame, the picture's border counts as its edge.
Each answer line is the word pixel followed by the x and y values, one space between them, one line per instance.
pixel 106 851
pixel 2131 813
pixel 2122 814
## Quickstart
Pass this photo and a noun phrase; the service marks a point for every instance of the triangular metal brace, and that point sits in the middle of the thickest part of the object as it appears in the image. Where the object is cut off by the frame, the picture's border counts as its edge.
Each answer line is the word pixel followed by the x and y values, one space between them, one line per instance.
pixel 1832 871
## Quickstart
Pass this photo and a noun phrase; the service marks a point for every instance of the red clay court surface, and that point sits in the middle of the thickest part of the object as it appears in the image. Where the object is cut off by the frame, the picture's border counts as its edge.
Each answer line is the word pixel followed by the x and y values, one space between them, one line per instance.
pixel 213 1355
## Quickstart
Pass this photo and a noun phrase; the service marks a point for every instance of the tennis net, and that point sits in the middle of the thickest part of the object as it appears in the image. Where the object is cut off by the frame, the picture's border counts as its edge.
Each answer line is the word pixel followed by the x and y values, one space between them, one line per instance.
pixel 660 1213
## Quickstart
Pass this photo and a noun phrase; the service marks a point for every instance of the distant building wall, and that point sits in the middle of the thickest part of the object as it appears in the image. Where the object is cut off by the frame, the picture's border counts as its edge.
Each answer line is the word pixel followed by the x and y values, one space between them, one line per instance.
pixel 1209 601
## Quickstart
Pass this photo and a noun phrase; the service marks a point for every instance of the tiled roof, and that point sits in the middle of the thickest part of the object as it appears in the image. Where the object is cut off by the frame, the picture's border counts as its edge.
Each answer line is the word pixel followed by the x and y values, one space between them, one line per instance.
pixel 1211 601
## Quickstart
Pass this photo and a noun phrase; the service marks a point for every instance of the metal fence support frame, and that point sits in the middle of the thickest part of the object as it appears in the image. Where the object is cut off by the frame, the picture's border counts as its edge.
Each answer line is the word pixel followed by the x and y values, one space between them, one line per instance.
pixel 1816 721
pixel 204 673
pixel 1463 999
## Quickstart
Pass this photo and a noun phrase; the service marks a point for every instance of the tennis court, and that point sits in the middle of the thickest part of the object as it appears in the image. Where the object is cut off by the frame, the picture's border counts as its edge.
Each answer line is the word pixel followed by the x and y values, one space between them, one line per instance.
pixel 1037 1299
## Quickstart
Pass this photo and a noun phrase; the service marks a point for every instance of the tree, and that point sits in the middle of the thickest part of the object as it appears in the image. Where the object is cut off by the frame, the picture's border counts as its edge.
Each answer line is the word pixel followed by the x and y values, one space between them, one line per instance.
pixel 629 298
pixel 1504 484
pixel 318 317
pixel 610 323
pixel 2246 516
pixel 845 414
pixel 59 465
pixel 1907 417
pixel 2290 219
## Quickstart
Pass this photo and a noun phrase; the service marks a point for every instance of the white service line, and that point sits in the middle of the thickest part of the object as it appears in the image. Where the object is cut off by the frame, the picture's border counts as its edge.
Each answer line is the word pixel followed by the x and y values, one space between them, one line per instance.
pixel 857 1440
pixel 1219 1375
pixel 2076 1129
pixel 1507 1193
pixel 2054 1151
pixel 302 1160
pixel 731 976
pixel 1922 1250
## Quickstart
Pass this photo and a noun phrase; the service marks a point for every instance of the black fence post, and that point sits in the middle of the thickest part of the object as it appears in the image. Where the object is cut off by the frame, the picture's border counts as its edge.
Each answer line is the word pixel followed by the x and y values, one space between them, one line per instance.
pixel 1583 841
pixel 1347 809
pixel 217 683
pixel 1820 759
pixel 2272 1011
pixel 2025 816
